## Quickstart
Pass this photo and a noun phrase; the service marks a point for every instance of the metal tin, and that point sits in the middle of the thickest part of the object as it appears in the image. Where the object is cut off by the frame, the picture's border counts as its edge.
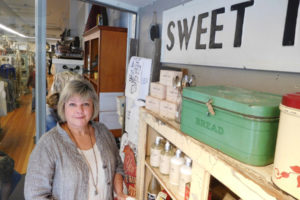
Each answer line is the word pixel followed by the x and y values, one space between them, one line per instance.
pixel 241 123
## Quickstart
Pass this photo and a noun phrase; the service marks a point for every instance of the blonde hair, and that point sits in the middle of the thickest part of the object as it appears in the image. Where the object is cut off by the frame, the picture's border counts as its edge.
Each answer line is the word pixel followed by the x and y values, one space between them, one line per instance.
pixel 52 100
pixel 80 87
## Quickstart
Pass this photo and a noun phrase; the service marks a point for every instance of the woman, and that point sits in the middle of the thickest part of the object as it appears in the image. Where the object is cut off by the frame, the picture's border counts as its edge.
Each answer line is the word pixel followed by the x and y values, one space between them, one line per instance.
pixel 78 159
pixel 31 83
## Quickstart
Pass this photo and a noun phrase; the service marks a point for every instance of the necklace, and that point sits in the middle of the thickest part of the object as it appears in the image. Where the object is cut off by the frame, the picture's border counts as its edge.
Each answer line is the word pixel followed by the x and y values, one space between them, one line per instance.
pixel 95 183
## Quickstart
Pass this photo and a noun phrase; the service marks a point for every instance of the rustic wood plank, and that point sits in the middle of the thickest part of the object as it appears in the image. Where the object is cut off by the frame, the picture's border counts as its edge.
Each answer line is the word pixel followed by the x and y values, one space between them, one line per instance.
pixel 246 181
pixel 200 183
pixel 164 181
pixel 140 172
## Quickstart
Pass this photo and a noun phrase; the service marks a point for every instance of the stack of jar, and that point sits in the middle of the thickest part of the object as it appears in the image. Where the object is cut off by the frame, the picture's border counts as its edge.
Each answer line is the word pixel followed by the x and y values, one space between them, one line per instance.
pixel 172 163
pixel 164 99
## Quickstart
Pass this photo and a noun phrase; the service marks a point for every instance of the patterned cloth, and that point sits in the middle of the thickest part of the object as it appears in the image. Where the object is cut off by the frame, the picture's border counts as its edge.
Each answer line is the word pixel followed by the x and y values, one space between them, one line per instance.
pixel 7 71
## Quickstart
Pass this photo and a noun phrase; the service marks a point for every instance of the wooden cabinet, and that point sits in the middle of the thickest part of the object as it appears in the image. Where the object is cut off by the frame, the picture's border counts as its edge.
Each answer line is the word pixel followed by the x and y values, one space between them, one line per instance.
pixel 105 62
pixel 248 182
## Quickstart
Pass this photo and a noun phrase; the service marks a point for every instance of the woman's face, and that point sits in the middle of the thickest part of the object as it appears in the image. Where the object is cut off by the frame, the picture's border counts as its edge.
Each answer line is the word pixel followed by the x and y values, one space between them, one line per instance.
pixel 78 111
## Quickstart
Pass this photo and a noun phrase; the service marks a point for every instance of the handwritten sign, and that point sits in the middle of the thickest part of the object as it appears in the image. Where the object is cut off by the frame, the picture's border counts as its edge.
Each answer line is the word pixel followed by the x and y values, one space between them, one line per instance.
pixel 138 78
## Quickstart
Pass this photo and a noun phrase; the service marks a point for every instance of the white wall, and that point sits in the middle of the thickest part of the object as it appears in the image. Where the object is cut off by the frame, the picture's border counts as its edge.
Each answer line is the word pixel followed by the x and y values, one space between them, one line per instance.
pixel 121 19
pixel 267 81
pixel 79 12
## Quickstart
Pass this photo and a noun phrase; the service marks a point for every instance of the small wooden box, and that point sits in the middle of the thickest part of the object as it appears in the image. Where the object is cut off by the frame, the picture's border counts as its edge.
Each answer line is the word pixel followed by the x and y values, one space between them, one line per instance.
pixel 173 95
pixel 153 104
pixel 158 90
pixel 167 76
pixel 168 109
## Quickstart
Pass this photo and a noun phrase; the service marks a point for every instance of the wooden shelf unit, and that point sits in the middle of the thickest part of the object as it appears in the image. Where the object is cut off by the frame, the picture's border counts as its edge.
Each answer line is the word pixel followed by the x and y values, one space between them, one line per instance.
pixel 105 60
pixel 248 182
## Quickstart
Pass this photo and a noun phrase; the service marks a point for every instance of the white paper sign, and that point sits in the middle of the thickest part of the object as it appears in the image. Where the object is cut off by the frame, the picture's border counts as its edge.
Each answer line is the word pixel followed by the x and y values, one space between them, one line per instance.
pixel 132 119
pixel 255 34
pixel 138 78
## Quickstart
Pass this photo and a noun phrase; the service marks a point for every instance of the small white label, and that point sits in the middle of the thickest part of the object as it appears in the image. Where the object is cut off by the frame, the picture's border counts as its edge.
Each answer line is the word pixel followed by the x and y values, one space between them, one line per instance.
pixel 164 166
pixel 155 157
pixel 174 174
pixel 184 178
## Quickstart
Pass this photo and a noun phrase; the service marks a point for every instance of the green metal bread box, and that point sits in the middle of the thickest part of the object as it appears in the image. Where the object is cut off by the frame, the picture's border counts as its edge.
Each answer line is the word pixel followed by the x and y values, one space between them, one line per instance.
pixel 241 123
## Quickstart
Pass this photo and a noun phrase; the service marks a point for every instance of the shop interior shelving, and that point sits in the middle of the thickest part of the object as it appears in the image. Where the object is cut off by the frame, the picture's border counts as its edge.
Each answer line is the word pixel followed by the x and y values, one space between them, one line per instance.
pixel 247 182
pixel 105 65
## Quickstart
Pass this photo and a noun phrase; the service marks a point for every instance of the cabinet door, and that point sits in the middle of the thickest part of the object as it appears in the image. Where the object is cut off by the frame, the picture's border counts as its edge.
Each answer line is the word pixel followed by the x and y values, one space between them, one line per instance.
pixel 112 61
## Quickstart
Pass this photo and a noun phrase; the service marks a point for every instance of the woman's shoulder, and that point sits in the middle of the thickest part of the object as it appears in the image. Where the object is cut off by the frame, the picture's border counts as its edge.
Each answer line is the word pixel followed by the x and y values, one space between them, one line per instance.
pixel 101 130
pixel 99 125
pixel 50 137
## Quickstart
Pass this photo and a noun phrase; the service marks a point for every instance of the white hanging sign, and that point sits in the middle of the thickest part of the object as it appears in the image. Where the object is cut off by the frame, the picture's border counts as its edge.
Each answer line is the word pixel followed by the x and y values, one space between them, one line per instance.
pixel 138 78
pixel 254 34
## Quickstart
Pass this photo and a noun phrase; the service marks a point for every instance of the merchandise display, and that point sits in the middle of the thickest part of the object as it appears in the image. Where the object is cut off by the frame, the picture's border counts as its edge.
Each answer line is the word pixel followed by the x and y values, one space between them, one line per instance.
pixel 68 47
pixel 165 158
pixel 286 171
pixel 109 69
pixel 163 195
pixel 203 101
pixel 167 77
pixel 176 162
pixel 168 109
pixel 187 191
pixel 3 105
pixel 173 95
pixel 153 189
pixel 166 95
pixel 72 65
pixel 185 175
pixel 129 170
pixel 156 149
pixel 239 122
pixel 157 90
pixel 153 104
pixel 207 163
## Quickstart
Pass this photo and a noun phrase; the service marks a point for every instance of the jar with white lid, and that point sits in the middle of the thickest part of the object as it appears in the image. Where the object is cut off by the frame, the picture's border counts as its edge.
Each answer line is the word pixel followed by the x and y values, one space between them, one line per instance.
pixel 286 171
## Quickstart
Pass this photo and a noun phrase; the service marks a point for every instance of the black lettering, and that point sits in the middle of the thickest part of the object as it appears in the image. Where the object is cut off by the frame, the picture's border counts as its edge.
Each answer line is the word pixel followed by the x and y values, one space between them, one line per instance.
pixel 214 28
pixel 290 23
pixel 214 128
pixel 220 130
pixel 207 124
pixel 186 33
pixel 240 8
pixel 202 123
pixel 200 31
pixel 171 36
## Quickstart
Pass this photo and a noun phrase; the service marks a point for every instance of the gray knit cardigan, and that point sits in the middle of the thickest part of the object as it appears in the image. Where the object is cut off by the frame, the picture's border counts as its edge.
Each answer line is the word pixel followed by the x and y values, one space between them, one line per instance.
pixel 56 170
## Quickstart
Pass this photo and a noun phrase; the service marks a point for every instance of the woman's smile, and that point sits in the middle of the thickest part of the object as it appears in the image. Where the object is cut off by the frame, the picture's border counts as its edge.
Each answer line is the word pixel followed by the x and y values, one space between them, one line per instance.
pixel 78 111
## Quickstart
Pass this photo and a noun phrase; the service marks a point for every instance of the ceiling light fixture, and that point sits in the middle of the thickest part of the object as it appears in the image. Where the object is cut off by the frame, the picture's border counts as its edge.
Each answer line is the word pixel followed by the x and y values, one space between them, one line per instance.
pixel 20 34
pixel 55 39
pixel 12 31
